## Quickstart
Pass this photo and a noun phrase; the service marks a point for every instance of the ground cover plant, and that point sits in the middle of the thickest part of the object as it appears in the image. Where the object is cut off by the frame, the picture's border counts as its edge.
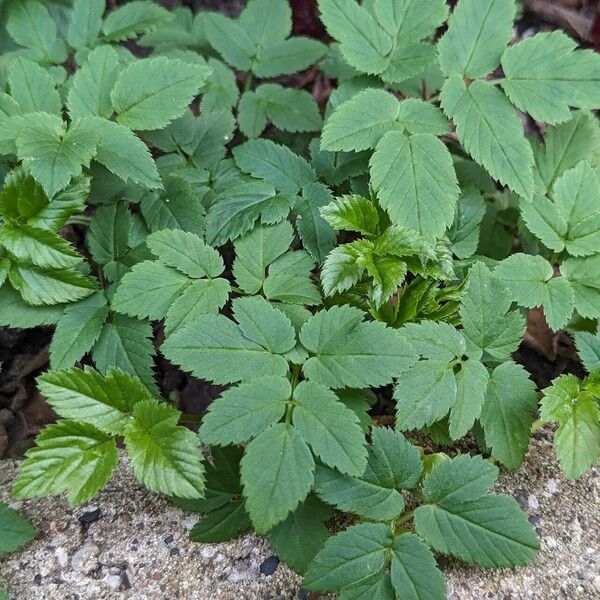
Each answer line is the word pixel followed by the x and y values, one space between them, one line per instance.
pixel 350 276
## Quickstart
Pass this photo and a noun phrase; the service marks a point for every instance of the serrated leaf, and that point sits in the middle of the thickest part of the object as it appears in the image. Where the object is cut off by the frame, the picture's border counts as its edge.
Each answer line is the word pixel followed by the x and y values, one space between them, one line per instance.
pixel 359 123
pixel 570 220
pixel 577 439
pixel 30 25
pixel 487 320
pixel 414 571
pixel 164 456
pixel 230 40
pixel 298 539
pixel 91 398
pixel 464 233
pixel 330 428
pixel 349 558
pixel 245 411
pixel 77 331
pixel 276 164
pixel 544 76
pixel 214 347
pixel 490 131
pixel 221 90
pixel 317 236
pixel 127 342
pixel 417 116
pixel 507 413
pixel 148 290
pixel 287 57
pixel 410 19
pixel 108 234
pixel 86 21
pixel 70 457
pixel 266 21
pixel 583 274
pixel 151 92
pixel 221 524
pixel 89 93
pixel 530 281
pixel 185 252
pixel 53 154
pixel 564 146
pixel 588 348
pixel 364 44
pixel 478 32
pixel 415 182
pixel 352 213
pixel 256 250
pixel 15 312
pixel 277 474
pixel 347 352
pixel 133 18
pixel 407 60
pixel 49 286
pixel 15 529
pixel 33 88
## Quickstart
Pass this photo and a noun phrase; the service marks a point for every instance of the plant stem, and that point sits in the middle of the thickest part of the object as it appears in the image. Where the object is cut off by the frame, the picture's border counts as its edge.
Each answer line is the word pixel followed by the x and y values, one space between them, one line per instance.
pixel 407 517
pixel 248 81
pixel 79 220
pixel 188 418
pixel 536 425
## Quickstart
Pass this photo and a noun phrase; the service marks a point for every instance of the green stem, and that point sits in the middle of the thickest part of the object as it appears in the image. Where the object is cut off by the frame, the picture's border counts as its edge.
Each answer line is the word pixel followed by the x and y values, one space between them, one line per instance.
pixel 248 81
pixel 404 518
pixel 79 220
pixel 536 425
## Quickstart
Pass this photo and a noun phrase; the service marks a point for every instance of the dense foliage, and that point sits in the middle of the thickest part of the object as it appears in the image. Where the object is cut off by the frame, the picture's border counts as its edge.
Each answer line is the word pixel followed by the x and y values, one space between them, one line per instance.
pixel 198 204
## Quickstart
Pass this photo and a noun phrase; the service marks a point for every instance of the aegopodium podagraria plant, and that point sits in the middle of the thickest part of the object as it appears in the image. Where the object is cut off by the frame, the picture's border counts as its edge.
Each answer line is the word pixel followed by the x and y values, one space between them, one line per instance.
pixel 330 267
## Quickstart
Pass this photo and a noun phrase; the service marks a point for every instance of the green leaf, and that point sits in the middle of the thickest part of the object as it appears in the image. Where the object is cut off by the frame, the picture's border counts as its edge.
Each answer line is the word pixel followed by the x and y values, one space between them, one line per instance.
pixel 569 221
pixel 415 575
pixel 222 524
pixel 89 397
pixel 408 60
pixel 127 342
pixel 30 25
pixel 252 114
pixel 33 88
pixel 588 348
pixel 89 93
pixel 299 538
pixel 70 457
pixel 530 282
pixel 464 233
pixel 364 44
pixel 368 499
pixel 330 428
pixel 77 331
pixel 463 520
pixel 544 76
pixel 348 352
pixel 15 312
pixel 148 290
pixel 15 529
pixel 256 250
pixel 213 131
pixel 507 413
pixel 185 252
pixel 277 473
pixel 266 21
pixel 133 18
pixel 490 130
pixel 237 208
pixel 316 234
pixel 415 182
pixel 53 154
pixel 164 456
pixel 359 123
pixel 230 40
pixel 583 274
pixel 221 90
pixel 488 323
pixel 245 411
pixel 417 116
pixel 577 439
pixel 201 297
pixel 177 207
pixel 471 385
pixel 151 92
pixel 352 213
pixel 564 146
pixel 478 32
pixel 214 347
pixel 40 247
pixel 287 57
pixel 350 558
pixel 50 286
pixel 276 164
pixel 410 19
pixel 86 21
pixel 108 234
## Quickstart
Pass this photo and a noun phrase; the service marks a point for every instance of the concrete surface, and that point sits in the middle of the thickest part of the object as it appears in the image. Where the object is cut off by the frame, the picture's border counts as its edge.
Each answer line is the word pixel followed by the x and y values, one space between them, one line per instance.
pixel 137 549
